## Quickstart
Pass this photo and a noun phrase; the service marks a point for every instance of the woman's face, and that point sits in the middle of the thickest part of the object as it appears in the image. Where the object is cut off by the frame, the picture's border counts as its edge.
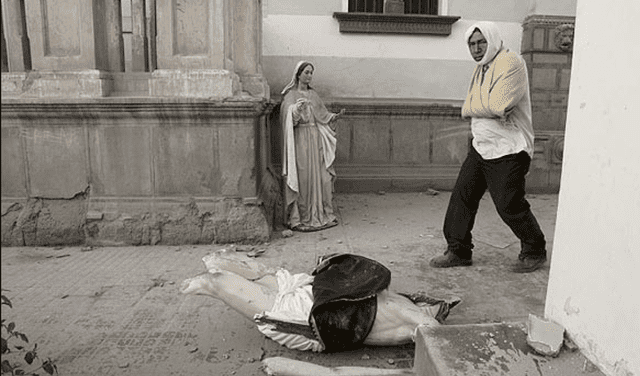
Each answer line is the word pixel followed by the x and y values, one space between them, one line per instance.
pixel 306 75
pixel 477 45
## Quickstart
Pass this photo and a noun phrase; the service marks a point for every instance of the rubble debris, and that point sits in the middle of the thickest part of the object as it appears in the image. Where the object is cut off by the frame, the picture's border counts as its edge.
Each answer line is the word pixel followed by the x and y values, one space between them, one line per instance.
pixel 432 192
pixel 256 253
pixel 569 344
pixel 545 337
pixel 287 233
pixel 244 248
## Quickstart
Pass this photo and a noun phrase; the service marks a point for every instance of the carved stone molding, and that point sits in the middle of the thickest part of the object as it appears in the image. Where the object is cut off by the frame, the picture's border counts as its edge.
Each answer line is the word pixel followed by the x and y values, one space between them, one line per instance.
pixel 394 23
pixel 548 20
pixel 143 108
pixel 396 109
pixel 563 38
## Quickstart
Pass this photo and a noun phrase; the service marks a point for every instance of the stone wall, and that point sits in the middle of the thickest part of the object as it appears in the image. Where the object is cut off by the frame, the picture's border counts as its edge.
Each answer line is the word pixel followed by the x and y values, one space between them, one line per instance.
pixel 394 146
pixel 133 171
pixel 386 146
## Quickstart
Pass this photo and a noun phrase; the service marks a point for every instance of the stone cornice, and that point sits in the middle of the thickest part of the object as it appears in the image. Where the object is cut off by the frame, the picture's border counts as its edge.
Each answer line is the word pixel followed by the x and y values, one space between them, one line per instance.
pixel 394 23
pixel 396 110
pixel 552 21
pixel 134 107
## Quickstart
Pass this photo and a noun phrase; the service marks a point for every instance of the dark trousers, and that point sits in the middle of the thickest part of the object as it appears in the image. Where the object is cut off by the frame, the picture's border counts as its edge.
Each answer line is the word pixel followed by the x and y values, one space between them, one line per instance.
pixel 505 179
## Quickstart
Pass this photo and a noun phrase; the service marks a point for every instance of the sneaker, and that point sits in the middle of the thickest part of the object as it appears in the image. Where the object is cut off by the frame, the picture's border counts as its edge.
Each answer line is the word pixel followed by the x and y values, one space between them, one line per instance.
pixel 528 264
pixel 448 260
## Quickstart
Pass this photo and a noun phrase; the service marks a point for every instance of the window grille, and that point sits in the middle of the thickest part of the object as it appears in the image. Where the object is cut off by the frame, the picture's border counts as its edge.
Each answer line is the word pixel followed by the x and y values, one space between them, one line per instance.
pixel 410 6
pixel 366 6
pixel 421 7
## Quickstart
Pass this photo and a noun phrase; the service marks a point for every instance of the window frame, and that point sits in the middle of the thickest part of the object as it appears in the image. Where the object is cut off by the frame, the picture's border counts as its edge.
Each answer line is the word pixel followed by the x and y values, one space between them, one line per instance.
pixel 387 23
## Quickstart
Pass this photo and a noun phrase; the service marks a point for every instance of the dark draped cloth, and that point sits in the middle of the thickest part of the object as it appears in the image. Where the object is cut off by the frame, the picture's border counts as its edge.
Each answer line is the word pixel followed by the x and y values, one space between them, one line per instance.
pixel 345 289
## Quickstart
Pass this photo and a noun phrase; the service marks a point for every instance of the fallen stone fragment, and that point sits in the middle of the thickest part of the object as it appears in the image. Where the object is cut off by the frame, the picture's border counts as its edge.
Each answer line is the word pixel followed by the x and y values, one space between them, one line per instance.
pixel 244 248
pixel 290 367
pixel 256 253
pixel 287 233
pixel 545 337
pixel 569 344
pixel 432 192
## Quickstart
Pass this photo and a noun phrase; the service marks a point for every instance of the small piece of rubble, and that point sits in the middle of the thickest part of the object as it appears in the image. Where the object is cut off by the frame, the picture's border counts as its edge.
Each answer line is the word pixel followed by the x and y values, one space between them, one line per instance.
pixel 256 253
pixel 432 192
pixel 569 344
pixel 244 248
pixel 545 337
pixel 287 233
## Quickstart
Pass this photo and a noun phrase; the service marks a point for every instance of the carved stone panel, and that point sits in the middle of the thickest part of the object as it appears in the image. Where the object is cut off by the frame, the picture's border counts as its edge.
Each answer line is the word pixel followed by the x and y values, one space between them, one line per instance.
pixel 191 34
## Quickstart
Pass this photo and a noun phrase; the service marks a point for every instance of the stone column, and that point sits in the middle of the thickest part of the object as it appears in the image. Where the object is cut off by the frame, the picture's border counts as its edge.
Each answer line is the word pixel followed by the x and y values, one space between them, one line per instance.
pixel 194 50
pixel 16 58
pixel 547 49
pixel 547 45
pixel 74 43
pixel 247 47
pixel 15 40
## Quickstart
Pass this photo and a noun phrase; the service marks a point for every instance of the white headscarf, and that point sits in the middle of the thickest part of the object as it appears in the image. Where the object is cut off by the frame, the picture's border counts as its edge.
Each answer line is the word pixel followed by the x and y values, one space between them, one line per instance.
pixel 491 33
pixel 294 79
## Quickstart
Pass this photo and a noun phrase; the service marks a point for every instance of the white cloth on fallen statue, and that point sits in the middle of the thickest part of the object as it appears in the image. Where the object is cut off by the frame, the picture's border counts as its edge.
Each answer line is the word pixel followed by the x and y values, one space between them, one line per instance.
pixel 292 304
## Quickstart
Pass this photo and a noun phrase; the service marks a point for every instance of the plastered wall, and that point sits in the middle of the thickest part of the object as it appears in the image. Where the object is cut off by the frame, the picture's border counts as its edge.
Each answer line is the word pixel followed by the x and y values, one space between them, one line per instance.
pixel 594 279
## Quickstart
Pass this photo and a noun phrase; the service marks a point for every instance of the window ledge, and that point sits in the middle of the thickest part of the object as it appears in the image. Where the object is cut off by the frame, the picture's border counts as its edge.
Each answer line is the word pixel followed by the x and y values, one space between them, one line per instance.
pixel 394 23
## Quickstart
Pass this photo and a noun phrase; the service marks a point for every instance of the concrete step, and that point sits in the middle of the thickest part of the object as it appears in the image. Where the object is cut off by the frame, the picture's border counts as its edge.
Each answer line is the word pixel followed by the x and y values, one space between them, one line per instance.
pixel 490 350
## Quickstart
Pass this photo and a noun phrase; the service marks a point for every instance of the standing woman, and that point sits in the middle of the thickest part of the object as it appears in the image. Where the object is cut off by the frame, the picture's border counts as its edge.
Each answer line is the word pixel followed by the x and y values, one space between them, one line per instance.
pixel 309 150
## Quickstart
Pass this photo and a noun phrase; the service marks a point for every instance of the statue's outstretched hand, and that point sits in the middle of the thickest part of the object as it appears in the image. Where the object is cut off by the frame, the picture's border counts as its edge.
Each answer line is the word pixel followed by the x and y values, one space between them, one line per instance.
pixel 338 115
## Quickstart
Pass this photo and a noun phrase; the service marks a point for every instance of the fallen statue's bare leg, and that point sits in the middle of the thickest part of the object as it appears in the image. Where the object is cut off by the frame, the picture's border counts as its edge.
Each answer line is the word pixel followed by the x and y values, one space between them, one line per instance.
pixel 247 297
pixel 396 320
pixel 278 366
pixel 239 264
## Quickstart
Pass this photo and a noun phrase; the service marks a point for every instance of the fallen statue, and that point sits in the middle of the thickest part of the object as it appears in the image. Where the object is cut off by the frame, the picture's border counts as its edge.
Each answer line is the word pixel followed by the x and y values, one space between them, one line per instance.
pixel 343 304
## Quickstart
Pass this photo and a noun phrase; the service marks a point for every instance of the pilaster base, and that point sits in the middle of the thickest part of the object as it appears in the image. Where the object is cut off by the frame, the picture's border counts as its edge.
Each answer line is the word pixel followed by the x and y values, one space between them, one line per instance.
pixel 256 86
pixel 89 83
pixel 214 84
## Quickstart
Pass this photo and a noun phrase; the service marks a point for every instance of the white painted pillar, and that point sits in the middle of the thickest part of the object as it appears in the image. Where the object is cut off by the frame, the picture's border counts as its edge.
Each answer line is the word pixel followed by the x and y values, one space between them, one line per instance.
pixel 595 266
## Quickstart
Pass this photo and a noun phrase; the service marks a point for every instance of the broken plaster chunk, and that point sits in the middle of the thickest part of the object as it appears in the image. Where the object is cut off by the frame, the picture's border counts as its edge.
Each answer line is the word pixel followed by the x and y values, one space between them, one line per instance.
pixel 545 337
pixel 93 215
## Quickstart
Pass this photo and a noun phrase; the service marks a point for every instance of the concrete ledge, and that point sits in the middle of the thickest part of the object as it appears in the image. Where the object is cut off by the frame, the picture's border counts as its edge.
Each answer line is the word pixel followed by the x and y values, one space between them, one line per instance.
pixel 488 349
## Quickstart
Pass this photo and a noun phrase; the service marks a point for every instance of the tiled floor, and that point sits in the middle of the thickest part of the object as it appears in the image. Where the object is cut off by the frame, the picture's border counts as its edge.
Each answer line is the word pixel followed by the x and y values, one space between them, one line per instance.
pixel 118 310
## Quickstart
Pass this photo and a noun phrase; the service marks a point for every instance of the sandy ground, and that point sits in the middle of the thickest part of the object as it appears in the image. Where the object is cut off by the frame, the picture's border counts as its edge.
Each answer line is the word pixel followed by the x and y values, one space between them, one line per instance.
pixel 118 310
